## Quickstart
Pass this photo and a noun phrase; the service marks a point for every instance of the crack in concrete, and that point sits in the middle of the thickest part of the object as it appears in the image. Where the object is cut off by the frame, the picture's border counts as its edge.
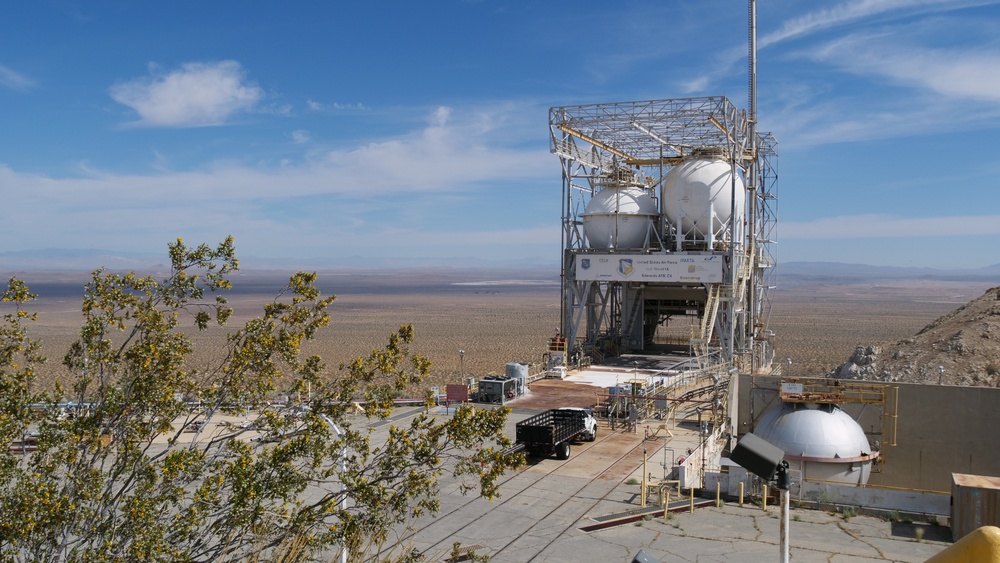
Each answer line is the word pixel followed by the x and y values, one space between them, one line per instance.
pixel 860 538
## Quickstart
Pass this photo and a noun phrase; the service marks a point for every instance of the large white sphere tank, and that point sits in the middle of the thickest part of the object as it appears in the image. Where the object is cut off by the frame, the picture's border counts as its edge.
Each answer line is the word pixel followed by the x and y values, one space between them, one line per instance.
pixel 697 195
pixel 619 218
pixel 822 441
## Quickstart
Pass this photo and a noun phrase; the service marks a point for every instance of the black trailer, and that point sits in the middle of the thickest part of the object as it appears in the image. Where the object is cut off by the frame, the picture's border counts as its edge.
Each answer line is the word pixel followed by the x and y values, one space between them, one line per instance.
pixel 550 432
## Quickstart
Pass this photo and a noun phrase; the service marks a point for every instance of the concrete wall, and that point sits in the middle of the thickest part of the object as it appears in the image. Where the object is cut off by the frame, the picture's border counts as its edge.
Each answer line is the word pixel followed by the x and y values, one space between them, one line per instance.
pixel 940 430
pixel 829 494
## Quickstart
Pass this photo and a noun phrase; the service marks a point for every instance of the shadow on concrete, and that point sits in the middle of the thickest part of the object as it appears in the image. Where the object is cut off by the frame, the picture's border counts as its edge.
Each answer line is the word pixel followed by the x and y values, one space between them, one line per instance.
pixel 917 531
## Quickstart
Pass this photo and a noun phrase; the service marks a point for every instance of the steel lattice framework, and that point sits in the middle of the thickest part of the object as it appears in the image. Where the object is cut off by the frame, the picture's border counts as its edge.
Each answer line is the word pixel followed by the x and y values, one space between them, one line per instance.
pixel 638 143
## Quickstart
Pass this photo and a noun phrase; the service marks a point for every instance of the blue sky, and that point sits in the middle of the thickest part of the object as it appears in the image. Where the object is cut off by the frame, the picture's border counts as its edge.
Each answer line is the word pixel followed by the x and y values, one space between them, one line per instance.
pixel 419 129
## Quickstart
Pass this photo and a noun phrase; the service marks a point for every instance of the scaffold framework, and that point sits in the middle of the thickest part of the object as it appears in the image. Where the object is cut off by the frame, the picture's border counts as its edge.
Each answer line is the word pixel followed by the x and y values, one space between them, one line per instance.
pixel 637 144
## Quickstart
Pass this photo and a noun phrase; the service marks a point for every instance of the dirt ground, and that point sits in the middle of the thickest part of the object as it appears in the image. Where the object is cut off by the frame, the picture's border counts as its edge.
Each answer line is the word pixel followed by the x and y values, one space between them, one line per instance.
pixel 817 325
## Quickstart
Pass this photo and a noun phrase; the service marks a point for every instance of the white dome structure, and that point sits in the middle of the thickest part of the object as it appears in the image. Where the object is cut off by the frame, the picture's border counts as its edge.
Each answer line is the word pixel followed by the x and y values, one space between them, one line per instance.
pixel 822 441
pixel 697 197
pixel 619 218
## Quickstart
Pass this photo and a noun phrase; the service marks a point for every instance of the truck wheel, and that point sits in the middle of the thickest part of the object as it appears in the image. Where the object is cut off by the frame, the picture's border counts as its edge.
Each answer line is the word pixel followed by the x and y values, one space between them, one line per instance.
pixel 562 451
pixel 592 436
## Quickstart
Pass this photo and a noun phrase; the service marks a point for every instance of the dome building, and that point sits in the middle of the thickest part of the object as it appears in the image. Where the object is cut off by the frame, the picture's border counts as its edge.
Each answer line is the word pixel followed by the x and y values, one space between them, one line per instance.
pixel 820 440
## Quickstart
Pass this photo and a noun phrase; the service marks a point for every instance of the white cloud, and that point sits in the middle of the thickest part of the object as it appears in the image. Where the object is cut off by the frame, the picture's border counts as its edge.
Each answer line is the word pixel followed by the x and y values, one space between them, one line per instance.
pixel 334 106
pixel 15 80
pixel 350 200
pixel 301 136
pixel 851 15
pixel 887 226
pixel 197 94
pixel 858 10
pixel 956 72
pixel 449 152
pixel 837 15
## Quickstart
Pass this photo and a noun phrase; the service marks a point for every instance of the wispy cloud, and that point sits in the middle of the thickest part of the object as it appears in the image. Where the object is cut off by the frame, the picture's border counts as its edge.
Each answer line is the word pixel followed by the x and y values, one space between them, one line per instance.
pixel 334 106
pixel 923 66
pixel 450 151
pixel 398 192
pixel 15 80
pixel 857 10
pixel 195 95
pixel 887 226
pixel 953 72
pixel 900 46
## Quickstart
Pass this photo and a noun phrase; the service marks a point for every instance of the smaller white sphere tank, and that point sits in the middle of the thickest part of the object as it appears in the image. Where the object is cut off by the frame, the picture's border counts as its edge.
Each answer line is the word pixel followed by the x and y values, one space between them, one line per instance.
pixel 697 197
pixel 619 218
pixel 822 441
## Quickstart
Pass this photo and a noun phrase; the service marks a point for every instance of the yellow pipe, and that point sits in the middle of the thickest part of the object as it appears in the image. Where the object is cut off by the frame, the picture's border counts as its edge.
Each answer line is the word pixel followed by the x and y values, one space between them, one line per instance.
pixel 980 546
pixel 741 494
pixel 570 131
pixel 718 496
pixel 763 499
pixel 692 500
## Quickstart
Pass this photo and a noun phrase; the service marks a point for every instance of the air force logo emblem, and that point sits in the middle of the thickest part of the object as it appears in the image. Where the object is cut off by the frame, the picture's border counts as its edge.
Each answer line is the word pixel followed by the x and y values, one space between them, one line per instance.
pixel 625 267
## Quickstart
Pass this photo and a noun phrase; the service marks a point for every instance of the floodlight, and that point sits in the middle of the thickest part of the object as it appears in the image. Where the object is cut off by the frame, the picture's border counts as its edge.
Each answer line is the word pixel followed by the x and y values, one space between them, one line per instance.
pixel 761 458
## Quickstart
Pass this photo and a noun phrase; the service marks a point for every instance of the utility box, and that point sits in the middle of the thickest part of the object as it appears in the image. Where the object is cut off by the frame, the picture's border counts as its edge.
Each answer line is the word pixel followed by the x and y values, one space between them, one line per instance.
pixel 975 502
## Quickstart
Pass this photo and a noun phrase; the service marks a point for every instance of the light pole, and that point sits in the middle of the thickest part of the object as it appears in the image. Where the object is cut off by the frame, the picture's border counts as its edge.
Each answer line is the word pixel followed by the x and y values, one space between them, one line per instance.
pixel 767 462
pixel 461 362
pixel 343 470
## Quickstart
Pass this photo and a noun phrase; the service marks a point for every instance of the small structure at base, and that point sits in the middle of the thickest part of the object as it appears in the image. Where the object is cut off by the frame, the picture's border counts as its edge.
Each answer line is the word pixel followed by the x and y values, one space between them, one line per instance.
pixel 975 502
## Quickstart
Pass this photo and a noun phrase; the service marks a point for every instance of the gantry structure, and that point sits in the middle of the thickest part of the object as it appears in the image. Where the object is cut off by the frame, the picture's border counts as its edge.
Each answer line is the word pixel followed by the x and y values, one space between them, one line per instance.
pixel 634 146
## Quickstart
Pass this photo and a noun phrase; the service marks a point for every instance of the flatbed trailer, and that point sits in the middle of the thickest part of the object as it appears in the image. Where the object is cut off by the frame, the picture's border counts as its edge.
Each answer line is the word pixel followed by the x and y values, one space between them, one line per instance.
pixel 552 431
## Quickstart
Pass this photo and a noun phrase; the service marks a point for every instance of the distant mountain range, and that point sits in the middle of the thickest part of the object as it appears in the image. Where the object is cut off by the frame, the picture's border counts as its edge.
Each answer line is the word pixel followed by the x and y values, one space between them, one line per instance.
pixel 806 271
pixel 65 260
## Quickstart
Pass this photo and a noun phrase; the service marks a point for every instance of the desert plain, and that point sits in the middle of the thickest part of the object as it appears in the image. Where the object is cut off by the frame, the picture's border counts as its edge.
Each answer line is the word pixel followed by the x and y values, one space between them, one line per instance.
pixel 497 317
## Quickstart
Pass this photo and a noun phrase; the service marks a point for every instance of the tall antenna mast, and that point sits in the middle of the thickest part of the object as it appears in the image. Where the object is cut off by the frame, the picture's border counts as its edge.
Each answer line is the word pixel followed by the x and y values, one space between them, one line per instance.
pixel 752 62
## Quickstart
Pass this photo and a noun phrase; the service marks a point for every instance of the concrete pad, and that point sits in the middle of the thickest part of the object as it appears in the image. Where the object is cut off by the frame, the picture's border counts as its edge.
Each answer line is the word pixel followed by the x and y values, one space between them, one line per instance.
pixel 543 507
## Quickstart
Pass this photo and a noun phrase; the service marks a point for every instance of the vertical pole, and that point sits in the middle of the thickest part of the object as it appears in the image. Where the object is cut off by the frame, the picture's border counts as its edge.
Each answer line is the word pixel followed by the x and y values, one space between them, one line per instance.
pixel 741 494
pixel 642 495
pixel 784 525
pixel 763 499
pixel 343 471
pixel 718 494
pixel 692 500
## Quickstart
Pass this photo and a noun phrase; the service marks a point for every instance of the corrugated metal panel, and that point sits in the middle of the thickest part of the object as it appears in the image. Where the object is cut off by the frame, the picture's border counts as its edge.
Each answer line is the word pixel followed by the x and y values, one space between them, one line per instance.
pixel 975 502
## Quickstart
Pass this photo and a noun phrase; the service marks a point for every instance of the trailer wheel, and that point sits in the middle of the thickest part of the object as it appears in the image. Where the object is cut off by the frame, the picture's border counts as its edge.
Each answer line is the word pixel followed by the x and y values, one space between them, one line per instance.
pixel 562 451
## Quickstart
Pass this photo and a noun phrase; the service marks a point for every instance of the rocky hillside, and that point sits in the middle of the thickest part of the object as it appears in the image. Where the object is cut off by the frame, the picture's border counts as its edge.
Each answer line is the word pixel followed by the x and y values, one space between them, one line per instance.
pixel 960 348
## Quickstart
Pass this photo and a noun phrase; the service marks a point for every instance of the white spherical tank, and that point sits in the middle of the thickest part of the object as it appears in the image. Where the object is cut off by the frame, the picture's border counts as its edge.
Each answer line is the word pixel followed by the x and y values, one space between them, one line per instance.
pixel 822 441
pixel 618 218
pixel 697 196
